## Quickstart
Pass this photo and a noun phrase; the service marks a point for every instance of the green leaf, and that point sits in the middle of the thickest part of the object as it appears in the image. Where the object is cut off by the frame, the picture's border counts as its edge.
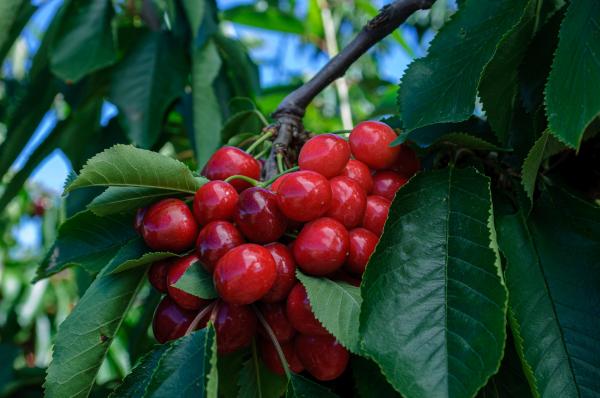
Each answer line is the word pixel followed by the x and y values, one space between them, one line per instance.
pixel 150 77
pixel 198 282
pixel 442 86
pixel 125 199
pixel 572 94
pixel 14 15
pixel 300 387
pixel 135 254
pixel 241 71
pixel 229 367
pixel 271 18
pixel 256 381
pixel 337 306
pixel 369 380
pixel 125 165
pixel 85 336
pixel 86 240
pixel 543 148
pixel 184 366
pixel 248 121
pixel 84 42
pixel 552 276
pixel 434 303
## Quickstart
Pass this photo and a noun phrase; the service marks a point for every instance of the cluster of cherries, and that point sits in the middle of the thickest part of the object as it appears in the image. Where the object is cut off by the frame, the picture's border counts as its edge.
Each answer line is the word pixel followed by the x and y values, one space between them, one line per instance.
pixel 324 219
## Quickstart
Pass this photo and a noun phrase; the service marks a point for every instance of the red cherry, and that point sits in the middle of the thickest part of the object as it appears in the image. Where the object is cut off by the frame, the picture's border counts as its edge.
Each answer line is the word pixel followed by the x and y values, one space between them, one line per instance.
pixel 275 185
pixel 322 356
pixel 304 195
pixel 138 222
pixel 370 142
pixel 286 272
pixel 235 326
pixel 360 173
pixel 258 216
pixel 326 154
pixel 170 321
pixel 376 213
pixel 276 318
pixel 387 183
pixel 362 245
pixel 215 200
pixel 170 226
pixel 408 163
pixel 176 271
pixel 216 239
pixel 228 161
pixel 157 275
pixel 300 314
pixel 245 274
pixel 321 246
pixel 269 355
pixel 348 201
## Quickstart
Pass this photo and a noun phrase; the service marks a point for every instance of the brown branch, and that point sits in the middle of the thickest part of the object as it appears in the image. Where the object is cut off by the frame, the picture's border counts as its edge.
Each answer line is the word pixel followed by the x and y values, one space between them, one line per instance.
pixel 289 113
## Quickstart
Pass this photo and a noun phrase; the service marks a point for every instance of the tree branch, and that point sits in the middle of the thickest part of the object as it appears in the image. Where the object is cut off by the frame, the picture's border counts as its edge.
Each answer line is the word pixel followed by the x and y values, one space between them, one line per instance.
pixel 289 113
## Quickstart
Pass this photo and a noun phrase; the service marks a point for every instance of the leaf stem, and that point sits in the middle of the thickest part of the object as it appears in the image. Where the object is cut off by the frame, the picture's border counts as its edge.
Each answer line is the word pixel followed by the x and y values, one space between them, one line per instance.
pixel 265 136
pixel 273 339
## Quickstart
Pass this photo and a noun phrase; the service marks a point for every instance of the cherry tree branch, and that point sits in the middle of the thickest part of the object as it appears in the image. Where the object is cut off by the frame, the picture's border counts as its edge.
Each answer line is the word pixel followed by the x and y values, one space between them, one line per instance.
pixel 288 115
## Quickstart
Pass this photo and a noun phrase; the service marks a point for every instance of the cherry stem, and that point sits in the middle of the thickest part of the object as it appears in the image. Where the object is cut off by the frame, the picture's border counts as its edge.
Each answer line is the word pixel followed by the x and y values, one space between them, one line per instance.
pixel 259 141
pixel 262 153
pixel 273 338
pixel 245 178
pixel 199 317
pixel 272 180
pixel 280 163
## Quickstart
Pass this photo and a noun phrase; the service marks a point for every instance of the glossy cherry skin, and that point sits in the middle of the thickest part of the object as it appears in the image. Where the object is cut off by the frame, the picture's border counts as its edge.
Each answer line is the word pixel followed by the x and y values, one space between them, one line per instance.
pixel 304 195
pixel 216 239
pixel 176 271
pixel 286 272
pixel 169 225
pixel 326 154
pixel 322 356
pixel 258 217
pixel 138 222
pixel 359 172
pixel 245 274
pixel 299 312
pixel 215 200
pixel 321 247
pixel 408 163
pixel 376 213
pixel 170 321
pixel 228 161
pixel 275 185
pixel 235 326
pixel 269 355
pixel 370 142
pixel 157 275
pixel 276 318
pixel 348 201
pixel 362 245
pixel 387 183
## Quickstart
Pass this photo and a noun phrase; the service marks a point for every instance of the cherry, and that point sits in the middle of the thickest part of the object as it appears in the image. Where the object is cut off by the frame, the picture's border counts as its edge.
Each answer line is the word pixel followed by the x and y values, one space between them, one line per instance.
pixel 286 272
pixel 348 201
pixel 170 321
pixel 275 185
pixel 157 275
pixel 321 246
pixel 176 271
pixel 138 222
pixel 215 200
pixel 376 214
pixel 276 318
pixel 245 274
pixel 228 161
pixel 235 326
pixel 300 314
pixel 362 245
pixel 370 142
pixel 304 195
pixel 408 163
pixel 322 356
pixel 360 173
pixel 258 216
pixel 387 183
pixel 326 154
pixel 216 239
pixel 269 355
pixel 170 226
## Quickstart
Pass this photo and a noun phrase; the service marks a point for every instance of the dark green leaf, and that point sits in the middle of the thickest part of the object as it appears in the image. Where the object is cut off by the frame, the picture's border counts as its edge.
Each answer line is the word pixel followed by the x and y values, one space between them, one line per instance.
pixel 197 281
pixel 134 254
pixel 8 352
pixel 14 15
pixel 256 381
pixel 229 368
pixel 369 380
pixel 124 199
pixel 241 72
pixel 272 18
pixel 543 148
pixel 434 303
pixel 572 94
pixel 247 121
pixel 300 387
pixel 337 306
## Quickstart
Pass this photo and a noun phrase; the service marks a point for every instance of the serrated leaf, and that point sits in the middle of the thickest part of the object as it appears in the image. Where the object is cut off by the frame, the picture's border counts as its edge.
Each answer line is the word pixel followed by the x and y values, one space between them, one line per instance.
pixel 337 306
pixel 552 275
pixel 256 381
pixel 442 86
pixel 369 380
pixel 125 165
pixel 197 281
pixel 85 336
pixel 572 95
pixel 134 254
pixel 300 387
pixel 125 199
pixel 272 18
pixel 136 383
pixel 465 140
pixel 434 303
pixel 543 148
